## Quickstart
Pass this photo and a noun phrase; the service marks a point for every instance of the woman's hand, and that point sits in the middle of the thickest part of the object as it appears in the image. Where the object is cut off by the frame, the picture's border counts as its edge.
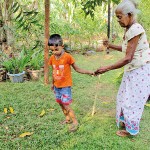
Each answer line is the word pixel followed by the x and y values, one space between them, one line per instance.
pixel 106 43
pixel 102 70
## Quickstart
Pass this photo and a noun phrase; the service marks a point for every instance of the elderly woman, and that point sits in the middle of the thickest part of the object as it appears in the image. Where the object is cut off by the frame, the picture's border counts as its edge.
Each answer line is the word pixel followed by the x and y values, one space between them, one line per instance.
pixel 135 86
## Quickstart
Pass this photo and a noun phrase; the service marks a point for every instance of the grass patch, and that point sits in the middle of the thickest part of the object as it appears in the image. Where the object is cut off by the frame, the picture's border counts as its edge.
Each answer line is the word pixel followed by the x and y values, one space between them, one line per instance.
pixel 95 133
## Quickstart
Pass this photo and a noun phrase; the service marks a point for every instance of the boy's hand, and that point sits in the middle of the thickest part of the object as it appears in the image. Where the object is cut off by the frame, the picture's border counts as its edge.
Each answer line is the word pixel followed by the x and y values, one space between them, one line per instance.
pixel 52 87
pixel 91 73
pixel 102 70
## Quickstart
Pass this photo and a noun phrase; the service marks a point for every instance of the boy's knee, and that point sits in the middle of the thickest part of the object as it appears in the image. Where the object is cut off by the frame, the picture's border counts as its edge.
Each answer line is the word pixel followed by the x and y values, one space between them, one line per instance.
pixel 67 108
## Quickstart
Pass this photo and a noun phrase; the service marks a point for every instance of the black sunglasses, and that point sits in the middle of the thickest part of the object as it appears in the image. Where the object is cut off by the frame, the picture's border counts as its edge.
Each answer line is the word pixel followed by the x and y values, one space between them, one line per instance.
pixel 55 44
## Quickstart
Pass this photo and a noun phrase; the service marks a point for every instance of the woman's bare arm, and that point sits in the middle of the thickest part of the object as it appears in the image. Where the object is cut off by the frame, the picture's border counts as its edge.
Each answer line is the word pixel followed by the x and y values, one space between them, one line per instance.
pixel 115 47
pixel 79 70
pixel 112 46
pixel 131 47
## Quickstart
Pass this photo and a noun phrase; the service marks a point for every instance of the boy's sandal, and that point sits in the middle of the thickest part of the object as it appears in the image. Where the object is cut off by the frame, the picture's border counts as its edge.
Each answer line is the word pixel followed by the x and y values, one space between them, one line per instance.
pixel 66 122
pixel 74 127
pixel 123 133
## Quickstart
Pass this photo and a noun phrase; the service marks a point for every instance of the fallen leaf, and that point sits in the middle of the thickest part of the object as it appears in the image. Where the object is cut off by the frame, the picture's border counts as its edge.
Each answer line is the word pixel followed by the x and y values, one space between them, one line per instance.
pixel 11 110
pixel 105 102
pixel 148 105
pixel 5 110
pixel 51 109
pixel 25 134
pixel 42 113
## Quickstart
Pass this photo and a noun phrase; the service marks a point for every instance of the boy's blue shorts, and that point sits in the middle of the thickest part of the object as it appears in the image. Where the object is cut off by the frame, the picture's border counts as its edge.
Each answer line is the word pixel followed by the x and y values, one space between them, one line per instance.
pixel 63 95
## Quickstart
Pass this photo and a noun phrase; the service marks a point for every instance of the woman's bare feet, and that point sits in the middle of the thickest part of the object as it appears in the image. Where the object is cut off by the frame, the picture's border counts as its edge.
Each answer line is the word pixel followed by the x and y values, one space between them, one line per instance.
pixel 123 133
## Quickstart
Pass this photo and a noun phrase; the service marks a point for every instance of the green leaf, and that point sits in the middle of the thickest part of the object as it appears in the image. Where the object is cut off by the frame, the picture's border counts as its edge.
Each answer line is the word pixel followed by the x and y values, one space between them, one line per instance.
pixel 33 16
pixel 14 5
pixel 35 21
pixel 29 12
pixel 20 20
pixel 15 10
pixel 19 15
pixel 21 25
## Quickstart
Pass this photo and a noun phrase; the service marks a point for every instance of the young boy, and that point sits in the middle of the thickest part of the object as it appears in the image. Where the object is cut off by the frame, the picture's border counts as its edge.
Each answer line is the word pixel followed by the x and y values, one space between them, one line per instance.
pixel 62 80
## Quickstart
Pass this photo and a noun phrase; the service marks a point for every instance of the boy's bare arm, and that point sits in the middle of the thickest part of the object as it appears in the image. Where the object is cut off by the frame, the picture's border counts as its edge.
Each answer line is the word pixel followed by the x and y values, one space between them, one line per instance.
pixel 77 69
pixel 52 83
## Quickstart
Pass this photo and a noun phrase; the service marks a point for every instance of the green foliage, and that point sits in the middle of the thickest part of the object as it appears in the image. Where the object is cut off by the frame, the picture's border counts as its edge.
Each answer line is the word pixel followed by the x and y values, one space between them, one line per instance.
pixel 16 64
pixel 142 16
pixel 81 30
pixel 67 17
pixel 24 18
pixel 89 6
pixel 25 24
pixel 36 61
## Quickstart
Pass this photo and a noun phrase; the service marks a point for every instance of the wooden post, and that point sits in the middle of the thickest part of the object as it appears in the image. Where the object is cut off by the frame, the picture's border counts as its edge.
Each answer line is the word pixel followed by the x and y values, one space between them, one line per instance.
pixel 46 50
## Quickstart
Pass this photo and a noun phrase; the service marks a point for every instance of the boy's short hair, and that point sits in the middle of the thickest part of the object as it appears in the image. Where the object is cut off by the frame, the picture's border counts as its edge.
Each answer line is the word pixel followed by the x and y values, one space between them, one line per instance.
pixel 55 39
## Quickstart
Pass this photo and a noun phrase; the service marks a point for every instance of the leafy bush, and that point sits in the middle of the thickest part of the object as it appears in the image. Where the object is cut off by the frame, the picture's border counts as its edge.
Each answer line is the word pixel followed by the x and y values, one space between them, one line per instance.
pixel 36 61
pixel 16 64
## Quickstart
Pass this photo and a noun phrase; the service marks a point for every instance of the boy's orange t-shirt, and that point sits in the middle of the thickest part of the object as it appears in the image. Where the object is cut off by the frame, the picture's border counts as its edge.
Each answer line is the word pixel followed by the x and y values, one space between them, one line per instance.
pixel 62 70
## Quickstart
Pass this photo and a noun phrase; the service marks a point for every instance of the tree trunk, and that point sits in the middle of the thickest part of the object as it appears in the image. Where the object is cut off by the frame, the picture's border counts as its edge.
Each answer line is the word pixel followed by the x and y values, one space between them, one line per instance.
pixel 46 51
pixel 9 38
pixel 1 27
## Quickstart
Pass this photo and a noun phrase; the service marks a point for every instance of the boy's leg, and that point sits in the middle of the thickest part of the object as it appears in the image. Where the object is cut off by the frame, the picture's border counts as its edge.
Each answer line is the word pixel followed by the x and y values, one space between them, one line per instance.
pixel 71 114
pixel 65 113
pixel 58 96
pixel 66 99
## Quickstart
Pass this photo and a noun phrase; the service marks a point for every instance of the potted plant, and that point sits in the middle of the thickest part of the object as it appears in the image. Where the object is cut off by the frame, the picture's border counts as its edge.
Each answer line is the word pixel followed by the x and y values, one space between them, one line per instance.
pixel 35 65
pixel 15 66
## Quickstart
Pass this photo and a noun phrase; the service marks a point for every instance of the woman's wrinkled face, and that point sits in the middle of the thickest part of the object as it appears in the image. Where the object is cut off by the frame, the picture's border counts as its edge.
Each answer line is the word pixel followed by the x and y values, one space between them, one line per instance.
pixel 123 19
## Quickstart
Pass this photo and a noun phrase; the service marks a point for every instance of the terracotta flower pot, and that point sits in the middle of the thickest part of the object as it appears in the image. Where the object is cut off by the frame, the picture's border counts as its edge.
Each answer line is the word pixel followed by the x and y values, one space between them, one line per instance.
pixel 34 74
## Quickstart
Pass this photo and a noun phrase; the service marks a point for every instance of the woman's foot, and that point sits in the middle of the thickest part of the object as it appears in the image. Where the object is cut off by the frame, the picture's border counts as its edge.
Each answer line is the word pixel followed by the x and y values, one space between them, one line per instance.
pixel 123 133
pixel 66 122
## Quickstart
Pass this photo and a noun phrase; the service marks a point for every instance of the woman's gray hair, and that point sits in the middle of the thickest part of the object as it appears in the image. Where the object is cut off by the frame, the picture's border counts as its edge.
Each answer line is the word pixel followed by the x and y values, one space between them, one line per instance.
pixel 128 6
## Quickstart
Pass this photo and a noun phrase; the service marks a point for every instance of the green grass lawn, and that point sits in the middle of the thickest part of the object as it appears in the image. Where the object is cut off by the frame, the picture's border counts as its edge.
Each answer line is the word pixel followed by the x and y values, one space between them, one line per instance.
pixel 96 132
